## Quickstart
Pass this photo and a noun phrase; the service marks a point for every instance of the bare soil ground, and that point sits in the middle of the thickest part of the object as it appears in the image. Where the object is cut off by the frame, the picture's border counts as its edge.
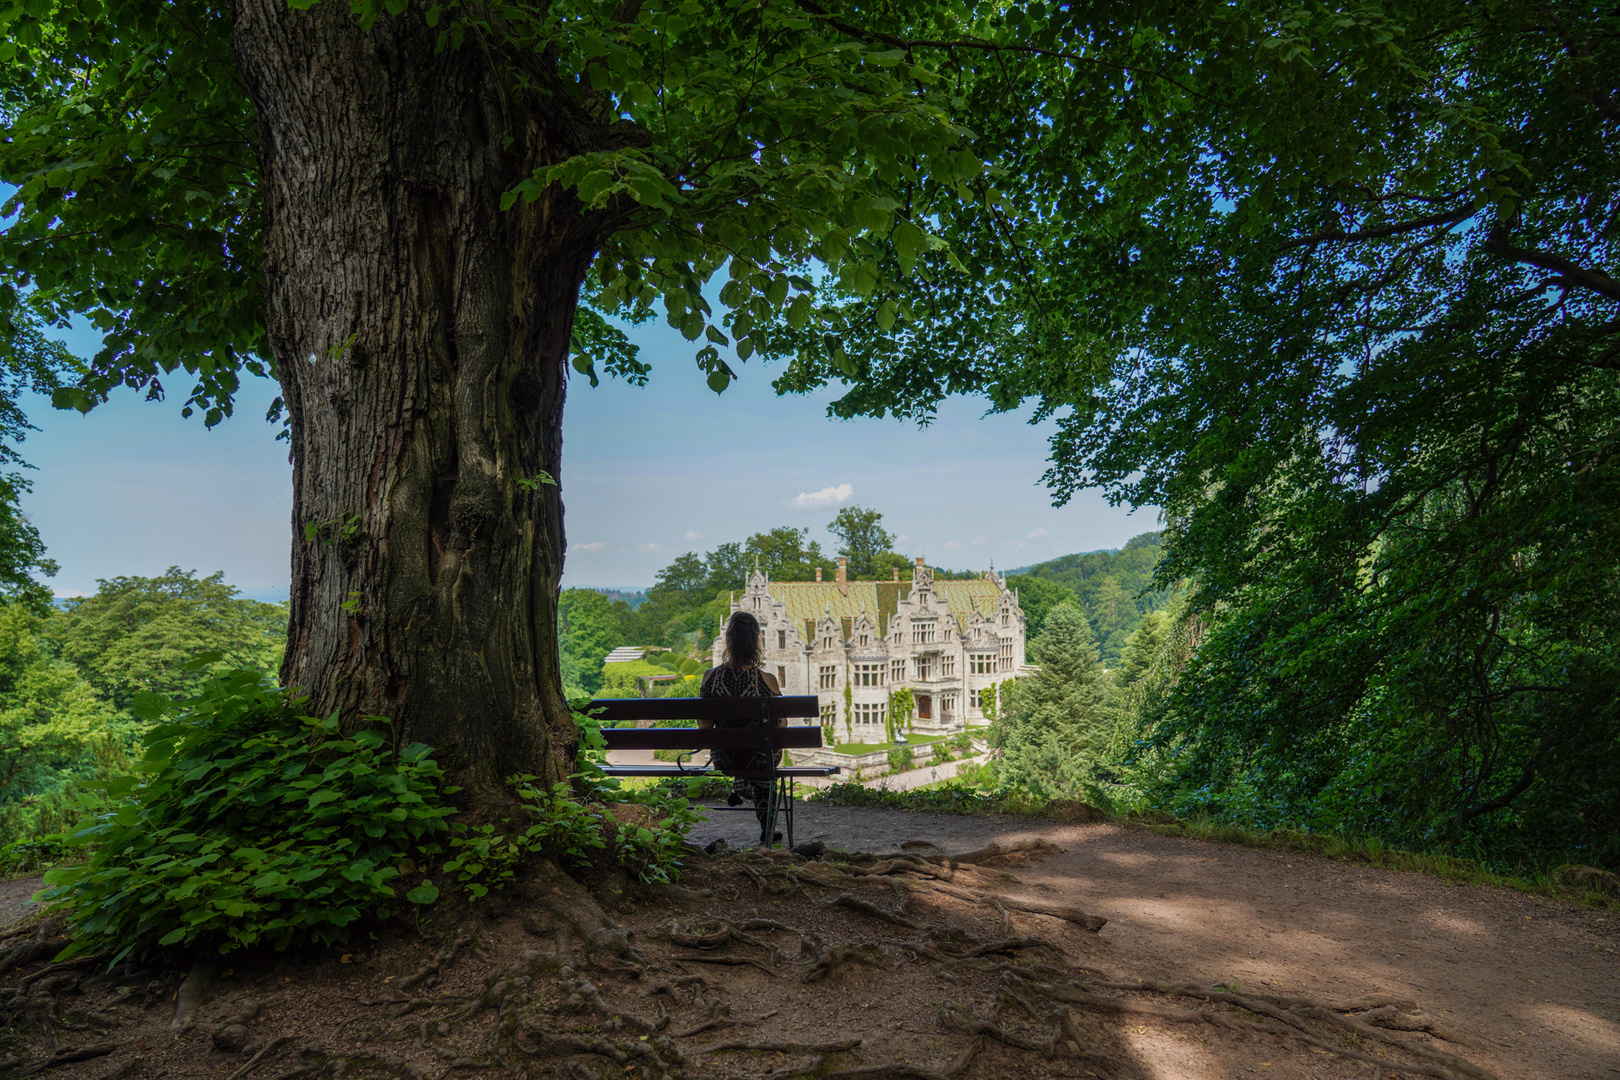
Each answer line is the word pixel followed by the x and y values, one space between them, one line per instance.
pixel 1329 970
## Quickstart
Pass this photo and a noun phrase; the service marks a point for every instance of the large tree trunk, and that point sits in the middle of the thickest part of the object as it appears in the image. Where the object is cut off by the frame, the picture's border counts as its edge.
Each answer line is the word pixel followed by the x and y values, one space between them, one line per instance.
pixel 421 337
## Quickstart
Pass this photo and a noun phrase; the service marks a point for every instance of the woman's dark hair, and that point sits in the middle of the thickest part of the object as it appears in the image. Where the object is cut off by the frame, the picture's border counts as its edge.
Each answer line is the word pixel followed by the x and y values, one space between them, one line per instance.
pixel 742 640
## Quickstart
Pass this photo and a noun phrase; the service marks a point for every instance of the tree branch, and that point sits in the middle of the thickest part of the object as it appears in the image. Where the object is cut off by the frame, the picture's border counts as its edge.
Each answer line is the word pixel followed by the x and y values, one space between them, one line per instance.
pixel 1572 274
pixel 1450 217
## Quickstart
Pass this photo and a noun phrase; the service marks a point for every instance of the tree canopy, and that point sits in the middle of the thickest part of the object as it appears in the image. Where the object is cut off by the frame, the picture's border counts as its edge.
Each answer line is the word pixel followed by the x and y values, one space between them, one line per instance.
pixel 137 635
pixel 862 539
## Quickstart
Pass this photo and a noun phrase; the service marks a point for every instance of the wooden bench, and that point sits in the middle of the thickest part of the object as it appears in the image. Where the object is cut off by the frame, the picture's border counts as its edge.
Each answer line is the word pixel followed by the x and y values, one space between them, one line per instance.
pixel 762 733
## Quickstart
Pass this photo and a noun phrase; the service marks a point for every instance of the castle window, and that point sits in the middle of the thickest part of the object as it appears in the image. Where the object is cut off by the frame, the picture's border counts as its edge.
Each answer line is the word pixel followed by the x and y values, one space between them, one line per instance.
pixel 981 663
pixel 829 677
pixel 1006 619
pixel 870 714
pixel 781 639
pixel 829 716
pixel 869 674
pixel 922 633
pixel 1006 654
pixel 897 671
pixel 975 633
pixel 973 699
pixel 925 669
pixel 781 676
pixel 866 639
pixel 947 667
pixel 947 706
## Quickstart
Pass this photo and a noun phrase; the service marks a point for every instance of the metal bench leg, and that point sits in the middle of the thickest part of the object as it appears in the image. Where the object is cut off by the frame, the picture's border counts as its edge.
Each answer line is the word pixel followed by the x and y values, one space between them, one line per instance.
pixel 768 831
pixel 787 784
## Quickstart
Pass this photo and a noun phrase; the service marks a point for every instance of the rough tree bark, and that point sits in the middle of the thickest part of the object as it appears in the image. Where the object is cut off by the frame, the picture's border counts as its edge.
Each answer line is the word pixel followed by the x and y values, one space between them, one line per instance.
pixel 421 338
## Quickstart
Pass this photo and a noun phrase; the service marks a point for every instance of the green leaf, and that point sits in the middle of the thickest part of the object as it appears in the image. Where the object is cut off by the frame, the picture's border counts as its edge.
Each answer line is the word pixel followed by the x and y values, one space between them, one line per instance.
pixel 425 893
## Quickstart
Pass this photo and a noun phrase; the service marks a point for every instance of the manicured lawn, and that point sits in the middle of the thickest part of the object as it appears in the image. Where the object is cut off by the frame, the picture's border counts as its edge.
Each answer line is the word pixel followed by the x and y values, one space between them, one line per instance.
pixel 867 748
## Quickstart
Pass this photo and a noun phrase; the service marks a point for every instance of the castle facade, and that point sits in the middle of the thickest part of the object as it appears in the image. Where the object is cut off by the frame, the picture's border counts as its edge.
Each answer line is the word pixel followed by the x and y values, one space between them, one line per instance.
pixel 851 643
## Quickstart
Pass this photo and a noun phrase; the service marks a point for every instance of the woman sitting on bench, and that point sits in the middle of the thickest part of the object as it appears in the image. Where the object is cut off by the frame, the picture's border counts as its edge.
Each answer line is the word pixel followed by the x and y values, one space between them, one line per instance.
pixel 740 676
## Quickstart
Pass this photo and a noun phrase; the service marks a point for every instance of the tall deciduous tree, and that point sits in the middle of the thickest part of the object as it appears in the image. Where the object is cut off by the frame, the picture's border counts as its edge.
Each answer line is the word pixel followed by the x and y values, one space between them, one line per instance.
pixel 394 207
pixel 862 539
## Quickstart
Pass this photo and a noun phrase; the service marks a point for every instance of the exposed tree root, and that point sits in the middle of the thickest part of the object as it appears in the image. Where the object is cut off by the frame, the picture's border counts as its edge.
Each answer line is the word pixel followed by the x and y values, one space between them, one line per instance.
pixel 269 1048
pixel 668 986
pixel 730 961
pixel 665 891
pixel 71 1054
pixel 1085 921
pixel 828 958
pixel 724 933
pixel 439 962
pixel 855 903
pixel 840 1046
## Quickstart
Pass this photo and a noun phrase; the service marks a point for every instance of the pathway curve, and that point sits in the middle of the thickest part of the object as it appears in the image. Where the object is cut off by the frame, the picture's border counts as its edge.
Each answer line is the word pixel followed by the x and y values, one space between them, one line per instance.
pixel 1536 980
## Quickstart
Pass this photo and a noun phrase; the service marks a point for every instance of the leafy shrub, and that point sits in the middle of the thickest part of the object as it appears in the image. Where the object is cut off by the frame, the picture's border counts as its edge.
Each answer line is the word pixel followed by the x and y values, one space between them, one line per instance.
pixel 962 741
pixel 23 856
pixel 581 835
pixel 247 822
pixel 951 797
pixel 901 758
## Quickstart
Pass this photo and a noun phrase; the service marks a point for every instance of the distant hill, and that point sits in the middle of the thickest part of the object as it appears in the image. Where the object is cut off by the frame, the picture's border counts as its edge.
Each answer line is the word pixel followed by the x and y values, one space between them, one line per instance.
pixel 1107 584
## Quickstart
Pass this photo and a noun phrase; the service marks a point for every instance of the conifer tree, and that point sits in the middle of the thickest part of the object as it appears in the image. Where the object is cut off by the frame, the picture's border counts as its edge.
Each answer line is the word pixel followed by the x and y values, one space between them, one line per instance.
pixel 1055 726
pixel 1140 649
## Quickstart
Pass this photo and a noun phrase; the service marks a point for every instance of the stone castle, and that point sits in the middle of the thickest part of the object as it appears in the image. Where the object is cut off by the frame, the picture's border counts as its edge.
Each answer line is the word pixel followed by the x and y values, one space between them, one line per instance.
pixel 946 640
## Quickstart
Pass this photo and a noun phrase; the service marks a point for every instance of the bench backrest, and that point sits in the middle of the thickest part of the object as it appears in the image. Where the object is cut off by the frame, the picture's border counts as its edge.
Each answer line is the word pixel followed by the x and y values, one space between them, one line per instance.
pixel 751 737
pixel 618 710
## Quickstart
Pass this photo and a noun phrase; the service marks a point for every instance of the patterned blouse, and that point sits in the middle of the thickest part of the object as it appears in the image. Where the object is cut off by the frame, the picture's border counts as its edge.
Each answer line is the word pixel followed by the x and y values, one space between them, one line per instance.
pixel 727 681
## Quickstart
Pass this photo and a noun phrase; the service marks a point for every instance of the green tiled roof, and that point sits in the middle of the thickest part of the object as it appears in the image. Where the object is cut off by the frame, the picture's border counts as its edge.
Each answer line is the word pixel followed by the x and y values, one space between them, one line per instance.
pixel 807 601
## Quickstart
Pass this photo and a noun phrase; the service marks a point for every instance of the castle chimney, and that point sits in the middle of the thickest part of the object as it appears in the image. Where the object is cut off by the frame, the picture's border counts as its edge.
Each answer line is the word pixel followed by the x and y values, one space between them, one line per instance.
pixel 843 570
pixel 919 562
pixel 818 573
pixel 896 570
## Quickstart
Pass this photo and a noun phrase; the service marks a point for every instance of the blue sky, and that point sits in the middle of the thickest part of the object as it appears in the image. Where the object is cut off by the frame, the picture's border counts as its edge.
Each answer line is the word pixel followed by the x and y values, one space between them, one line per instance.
pixel 648 473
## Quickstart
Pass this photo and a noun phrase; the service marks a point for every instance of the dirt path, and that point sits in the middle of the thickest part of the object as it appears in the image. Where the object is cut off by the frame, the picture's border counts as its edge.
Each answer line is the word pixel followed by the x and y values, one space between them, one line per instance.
pixel 1535 980
pixel 1533 986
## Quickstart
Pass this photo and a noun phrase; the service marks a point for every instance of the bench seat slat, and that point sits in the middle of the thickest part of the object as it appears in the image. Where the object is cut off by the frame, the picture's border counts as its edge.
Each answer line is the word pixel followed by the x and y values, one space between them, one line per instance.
pixel 699 771
pixel 784 738
pixel 615 710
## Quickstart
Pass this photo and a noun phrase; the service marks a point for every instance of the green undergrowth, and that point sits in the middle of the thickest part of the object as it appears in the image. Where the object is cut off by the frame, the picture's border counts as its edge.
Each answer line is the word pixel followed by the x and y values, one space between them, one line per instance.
pixel 958 798
pixel 246 822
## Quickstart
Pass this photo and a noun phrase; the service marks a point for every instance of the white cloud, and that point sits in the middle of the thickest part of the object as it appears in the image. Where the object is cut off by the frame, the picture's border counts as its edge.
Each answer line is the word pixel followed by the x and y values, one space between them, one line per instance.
pixel 652 549
pixel 594 547
pixel 900 541
pixel 953 545
pixel 977 540
pixel 68 594
pixel 1038 533
pixel 692 535
pixel 817 500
